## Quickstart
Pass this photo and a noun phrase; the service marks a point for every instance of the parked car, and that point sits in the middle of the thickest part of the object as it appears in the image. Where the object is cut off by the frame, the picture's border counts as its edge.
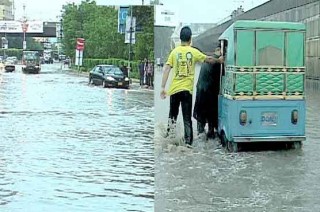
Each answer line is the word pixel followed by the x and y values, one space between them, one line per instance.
pixel 13 59
pixel 9 66
pixel 108 76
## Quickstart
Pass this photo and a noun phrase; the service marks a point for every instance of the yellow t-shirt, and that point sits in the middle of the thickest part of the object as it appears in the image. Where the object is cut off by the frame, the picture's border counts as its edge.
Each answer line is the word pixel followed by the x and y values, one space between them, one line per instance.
pixel 183 59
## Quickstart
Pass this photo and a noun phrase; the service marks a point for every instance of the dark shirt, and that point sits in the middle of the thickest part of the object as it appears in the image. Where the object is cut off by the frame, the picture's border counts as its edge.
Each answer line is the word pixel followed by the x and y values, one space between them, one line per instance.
pixel 124 69
pixel 141 68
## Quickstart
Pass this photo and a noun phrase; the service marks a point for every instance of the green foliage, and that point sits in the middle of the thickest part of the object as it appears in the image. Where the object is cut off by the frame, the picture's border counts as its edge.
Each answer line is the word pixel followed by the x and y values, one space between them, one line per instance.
pixel 98 25
pixel 145 19
pixel 17 43
pixel 12 52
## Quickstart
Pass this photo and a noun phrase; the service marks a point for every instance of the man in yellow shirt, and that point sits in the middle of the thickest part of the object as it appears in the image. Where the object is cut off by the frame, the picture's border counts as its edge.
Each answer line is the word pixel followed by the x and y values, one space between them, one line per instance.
pixel 182 60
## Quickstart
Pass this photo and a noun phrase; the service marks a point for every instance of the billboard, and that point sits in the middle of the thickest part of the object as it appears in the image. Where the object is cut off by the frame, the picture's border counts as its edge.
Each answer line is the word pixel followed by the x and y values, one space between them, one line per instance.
pixel 122 16
pixel 17 27
pixel 128 26
pixel 164 17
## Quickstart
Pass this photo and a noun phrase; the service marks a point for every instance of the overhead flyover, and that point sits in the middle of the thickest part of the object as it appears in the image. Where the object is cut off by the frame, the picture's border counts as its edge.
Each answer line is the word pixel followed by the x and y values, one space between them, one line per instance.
pixel 49 31
pixel 267 11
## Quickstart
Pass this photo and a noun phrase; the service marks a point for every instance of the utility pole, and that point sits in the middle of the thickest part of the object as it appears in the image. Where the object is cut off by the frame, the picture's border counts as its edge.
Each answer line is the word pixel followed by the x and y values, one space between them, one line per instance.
pixel 4 40
pixel 130 42
pixel 24 28
pixel 13 10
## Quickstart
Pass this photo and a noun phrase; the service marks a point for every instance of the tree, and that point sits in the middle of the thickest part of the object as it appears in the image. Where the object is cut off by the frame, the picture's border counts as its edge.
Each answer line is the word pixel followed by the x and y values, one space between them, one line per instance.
pixel 17 43
pixel 144 47
pixel 98 25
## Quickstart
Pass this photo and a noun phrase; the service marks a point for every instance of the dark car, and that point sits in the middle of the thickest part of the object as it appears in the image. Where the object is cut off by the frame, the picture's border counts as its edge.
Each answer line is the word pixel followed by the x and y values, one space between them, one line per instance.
pixel 31 62
pixel 108 76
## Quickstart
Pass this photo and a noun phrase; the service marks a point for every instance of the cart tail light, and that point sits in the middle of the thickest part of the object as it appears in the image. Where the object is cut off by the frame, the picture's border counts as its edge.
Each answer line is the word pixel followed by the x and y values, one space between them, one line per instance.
pixel 243 117
pixel 294 117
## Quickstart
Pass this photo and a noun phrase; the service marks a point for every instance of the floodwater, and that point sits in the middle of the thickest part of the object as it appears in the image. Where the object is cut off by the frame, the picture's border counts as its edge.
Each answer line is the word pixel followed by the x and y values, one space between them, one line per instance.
pixel 208 178
pixel 68 146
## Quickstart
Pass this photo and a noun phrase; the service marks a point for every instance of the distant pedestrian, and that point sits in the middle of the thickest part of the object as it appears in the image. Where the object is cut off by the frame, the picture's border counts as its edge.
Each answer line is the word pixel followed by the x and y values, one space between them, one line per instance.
pixel 141 72
pixel 124 70
pixel 150 74
pixel 145 70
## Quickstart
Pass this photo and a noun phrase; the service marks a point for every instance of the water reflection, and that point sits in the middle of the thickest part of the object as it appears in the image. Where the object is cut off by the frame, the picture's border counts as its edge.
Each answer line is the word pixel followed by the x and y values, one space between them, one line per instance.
pixel 207 178
pixel 67 146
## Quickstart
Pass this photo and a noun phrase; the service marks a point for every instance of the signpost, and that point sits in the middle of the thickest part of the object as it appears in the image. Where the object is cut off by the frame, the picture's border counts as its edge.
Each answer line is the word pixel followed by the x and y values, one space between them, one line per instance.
pixel 79 52
pixel 130 30
pixel 24 29
pixel 127 24
pixel 122 16
pixel 4 45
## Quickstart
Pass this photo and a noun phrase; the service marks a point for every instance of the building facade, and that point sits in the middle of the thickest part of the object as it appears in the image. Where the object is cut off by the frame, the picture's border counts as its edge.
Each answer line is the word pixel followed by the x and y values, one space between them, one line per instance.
pixel 6 10
pixel 196 28
pixel 310 15
pixel 305 11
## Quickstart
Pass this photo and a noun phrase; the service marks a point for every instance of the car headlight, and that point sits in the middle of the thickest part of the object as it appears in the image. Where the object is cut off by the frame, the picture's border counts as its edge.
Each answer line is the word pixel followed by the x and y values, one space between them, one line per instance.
pixel 110 78
pixel 126 79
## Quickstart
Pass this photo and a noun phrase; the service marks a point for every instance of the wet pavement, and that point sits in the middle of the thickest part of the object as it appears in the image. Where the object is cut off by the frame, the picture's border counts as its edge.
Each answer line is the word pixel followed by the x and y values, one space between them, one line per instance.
pixel 207 178
pixel 67 146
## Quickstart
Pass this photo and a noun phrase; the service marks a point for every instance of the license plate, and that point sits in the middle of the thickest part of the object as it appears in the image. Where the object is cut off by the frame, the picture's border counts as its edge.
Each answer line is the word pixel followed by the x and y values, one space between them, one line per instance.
pixel 119 83
pixel 269 118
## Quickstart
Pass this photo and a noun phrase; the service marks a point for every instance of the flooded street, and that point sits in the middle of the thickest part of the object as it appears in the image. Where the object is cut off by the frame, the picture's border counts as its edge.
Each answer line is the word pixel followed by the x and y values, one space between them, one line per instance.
pixel 207 178
pixel 67 146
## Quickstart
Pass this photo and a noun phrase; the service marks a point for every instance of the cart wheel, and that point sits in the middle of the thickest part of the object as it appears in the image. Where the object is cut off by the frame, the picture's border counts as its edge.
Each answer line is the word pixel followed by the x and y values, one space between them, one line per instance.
pixel 232 146
pixel 296 145
pixel 219 138
pixel 235 146
pixel 223 140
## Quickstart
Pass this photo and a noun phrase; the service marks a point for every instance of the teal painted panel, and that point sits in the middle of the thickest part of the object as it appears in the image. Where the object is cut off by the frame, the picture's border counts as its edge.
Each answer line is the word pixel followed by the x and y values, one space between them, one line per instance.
pixel 295 83
pixel 229 82
pixel 244 83
pixel 270 48
pixel 295 49
pixel 245 48
pixel 270 82
pixel 228 35
pixel 230 109
pixel 252 24
pixel 230 49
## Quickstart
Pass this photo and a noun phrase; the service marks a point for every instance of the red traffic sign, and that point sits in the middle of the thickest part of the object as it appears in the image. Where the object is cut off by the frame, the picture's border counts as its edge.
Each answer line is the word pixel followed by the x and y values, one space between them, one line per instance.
pixel 24 27
pixel 80 44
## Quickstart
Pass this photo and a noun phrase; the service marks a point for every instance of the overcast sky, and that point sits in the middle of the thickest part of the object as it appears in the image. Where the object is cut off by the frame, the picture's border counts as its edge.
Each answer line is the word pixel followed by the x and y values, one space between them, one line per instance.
pixel 187 11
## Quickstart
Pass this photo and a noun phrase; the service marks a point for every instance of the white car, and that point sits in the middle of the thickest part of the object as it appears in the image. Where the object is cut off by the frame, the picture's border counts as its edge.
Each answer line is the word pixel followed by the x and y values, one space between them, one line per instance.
pixel 9 66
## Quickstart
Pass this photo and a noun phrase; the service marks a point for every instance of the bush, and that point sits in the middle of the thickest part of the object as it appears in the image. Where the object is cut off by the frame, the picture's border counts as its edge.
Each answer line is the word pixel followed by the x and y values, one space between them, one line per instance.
pixel 12 53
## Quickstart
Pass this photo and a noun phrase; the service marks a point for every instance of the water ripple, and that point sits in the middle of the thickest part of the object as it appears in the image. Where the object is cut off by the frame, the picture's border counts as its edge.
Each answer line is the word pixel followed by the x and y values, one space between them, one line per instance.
pixel 66 146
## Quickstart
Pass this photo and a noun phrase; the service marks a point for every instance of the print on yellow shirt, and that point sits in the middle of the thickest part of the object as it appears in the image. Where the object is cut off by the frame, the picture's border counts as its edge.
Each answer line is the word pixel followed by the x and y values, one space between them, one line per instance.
pixel 182 59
